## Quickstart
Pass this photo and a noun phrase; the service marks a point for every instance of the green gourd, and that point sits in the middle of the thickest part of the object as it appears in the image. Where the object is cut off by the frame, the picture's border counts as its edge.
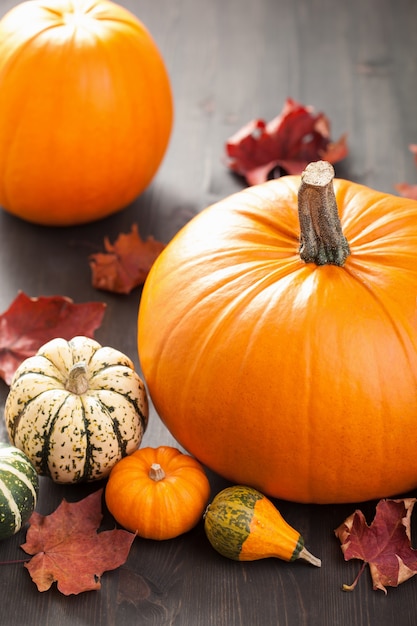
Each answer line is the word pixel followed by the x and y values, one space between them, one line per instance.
pixel 19 488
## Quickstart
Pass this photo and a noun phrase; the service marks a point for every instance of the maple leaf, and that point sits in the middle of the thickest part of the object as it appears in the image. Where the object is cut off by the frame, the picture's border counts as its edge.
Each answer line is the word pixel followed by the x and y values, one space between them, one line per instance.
pixel 406 190
pixel 30 322
pixel 125 264
pixel 68 549
pixel 385 545
pixel 291 140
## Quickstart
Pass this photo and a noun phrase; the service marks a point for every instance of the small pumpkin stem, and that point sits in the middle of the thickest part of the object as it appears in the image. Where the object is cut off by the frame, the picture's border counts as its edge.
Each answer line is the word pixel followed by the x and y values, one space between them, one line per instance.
pixel 78 379
pixel 321 241
pixel 156 472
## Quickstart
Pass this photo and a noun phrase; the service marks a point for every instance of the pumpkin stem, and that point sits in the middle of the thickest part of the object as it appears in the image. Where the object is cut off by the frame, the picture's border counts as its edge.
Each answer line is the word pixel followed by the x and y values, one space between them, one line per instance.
pixel 321 241
pixel 156 472
pixel 78 380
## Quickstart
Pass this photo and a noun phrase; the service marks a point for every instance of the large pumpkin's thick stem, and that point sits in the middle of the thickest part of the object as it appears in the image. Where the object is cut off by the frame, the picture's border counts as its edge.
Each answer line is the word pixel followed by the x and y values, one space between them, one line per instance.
pixel 322 241
pixel 78 379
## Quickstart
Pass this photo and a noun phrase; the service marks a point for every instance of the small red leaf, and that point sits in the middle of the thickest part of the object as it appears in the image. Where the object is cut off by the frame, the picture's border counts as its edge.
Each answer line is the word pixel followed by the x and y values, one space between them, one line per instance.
pixel 30 322
pixel 125 264
pixel 68 550
pixel 296 137
pixel 404 189
pixel 385 545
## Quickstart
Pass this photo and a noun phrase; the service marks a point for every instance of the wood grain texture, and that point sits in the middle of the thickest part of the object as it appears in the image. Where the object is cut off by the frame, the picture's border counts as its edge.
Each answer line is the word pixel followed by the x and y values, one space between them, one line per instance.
pixel 229 61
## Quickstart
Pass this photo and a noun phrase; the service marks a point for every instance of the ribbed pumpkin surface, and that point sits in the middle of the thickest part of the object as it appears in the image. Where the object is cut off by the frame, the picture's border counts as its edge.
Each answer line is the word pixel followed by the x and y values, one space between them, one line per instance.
pixel 71 436
pixel 85 110
pixel 297 379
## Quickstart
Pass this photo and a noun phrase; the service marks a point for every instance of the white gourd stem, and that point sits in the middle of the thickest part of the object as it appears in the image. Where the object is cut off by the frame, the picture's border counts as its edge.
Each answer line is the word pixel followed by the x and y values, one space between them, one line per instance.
pixel 310 558
pixel 156 472
pixel 78 379
pixel 321 239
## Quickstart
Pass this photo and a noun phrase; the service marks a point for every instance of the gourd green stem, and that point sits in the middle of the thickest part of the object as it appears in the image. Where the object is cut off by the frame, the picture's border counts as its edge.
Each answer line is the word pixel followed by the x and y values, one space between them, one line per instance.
pixel 321 240
pixel 78 379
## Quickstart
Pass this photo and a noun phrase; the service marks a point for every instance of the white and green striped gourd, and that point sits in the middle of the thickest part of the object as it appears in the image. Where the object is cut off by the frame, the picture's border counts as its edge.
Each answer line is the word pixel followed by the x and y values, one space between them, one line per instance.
pixel 75 409
pixel 19 488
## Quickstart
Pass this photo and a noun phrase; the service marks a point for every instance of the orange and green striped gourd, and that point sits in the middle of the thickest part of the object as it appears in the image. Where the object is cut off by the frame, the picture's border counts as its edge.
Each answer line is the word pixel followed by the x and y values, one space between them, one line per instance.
pixel 243 525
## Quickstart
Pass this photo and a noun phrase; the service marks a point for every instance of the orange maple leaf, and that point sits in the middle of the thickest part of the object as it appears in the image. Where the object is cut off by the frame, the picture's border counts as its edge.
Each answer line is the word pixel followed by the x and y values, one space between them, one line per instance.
pixel 126 263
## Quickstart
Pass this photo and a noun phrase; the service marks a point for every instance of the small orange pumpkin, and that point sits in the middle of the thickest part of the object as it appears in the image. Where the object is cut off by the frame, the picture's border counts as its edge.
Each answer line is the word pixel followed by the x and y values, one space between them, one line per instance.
pixel 85 110
pixel 291 369
pixel 158 493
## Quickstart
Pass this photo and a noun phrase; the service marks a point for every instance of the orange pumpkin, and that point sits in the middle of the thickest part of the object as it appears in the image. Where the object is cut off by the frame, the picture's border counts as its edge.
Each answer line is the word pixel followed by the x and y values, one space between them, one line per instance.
pixel 296 378
pixel 85 110
pixel 158 493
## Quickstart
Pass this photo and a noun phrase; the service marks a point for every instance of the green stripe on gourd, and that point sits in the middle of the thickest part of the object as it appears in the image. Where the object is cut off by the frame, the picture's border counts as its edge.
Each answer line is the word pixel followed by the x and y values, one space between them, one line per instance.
pixel 19 487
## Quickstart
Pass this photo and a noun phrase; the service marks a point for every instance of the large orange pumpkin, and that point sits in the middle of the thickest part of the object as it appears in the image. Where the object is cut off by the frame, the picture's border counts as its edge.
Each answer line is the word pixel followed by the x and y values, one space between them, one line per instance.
pixel 85 110
pixel 297 378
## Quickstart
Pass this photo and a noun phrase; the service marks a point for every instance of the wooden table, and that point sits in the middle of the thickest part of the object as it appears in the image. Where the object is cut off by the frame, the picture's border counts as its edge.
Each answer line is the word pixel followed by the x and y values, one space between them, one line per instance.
pixel 229 61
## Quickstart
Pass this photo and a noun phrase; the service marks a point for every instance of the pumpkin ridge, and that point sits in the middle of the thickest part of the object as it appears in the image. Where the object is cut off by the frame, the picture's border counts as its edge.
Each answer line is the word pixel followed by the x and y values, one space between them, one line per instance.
pixel 19 475
pixel 139 412
pixel 110 65
pixel 126 396
pixel 392 319
pixel 37 372
pixel 121 20
pixel 89 448
pixel 18 494
pixel 19 488
pixel 13 422
pixel 45 450
pixel 228 312
pixel 104 366
pixel 121 441
pixel 14 509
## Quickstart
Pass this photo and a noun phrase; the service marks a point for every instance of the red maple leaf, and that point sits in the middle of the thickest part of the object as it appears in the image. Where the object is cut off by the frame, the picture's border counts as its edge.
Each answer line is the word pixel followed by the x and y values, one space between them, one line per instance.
pixel 30 322
pixel 385 545
pixel 68 549
pixel 296 137
pixel 126 263
pixel 406 190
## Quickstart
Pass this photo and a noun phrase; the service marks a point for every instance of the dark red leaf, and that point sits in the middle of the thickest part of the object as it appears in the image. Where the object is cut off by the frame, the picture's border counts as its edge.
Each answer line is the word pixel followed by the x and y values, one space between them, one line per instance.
pixel 68 549
pixel 125 264
pixel 385 545
pixel 290 141
pixel 30 322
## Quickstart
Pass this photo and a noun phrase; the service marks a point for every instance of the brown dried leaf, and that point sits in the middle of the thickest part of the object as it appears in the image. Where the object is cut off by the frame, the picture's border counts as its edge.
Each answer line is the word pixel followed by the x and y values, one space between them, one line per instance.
pixel 126 263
